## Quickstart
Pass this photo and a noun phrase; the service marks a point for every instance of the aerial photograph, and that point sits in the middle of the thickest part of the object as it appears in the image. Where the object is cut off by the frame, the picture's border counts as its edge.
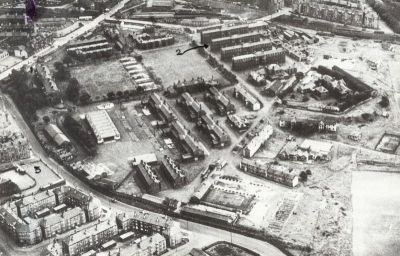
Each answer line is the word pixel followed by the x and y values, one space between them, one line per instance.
pixel 200 127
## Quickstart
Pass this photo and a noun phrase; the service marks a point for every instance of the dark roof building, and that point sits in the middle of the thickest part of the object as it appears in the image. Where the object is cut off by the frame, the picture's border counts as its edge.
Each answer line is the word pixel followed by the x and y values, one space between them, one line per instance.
pixel 259 58
pixel 173 172
pixel 219 137
pixel 224 106
pixel 150 180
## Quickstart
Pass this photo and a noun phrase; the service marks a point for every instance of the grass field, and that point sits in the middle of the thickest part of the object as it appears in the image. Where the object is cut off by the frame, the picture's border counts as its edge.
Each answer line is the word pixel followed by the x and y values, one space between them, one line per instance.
pixel 230 200
pixel 171 67
pixel 99 79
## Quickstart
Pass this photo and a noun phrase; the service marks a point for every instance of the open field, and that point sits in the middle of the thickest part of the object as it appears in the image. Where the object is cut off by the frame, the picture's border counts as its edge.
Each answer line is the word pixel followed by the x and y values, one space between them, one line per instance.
pixel 100 78
pixel 376 200
pixel 226 199
pixel 388 143
pixel 226 249
pixel 171 67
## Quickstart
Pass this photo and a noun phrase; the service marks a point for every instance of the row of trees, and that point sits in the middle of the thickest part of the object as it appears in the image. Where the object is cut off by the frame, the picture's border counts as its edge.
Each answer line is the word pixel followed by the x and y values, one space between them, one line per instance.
pixel 79 132
pixel 28 98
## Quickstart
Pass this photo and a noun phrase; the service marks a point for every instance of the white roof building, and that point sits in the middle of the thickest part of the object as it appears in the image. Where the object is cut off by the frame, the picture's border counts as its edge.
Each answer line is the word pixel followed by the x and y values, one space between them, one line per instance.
pixel 102 126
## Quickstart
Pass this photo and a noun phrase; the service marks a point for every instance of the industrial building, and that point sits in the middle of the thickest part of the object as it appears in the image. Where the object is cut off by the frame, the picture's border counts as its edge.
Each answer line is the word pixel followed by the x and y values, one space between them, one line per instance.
pixel 274 172
pixel 263 133
pixel 148 177
pixel 259 58
pixel 57 135
pixel 231 51
pixel 102 126
pixel 175 175
pixel 249 100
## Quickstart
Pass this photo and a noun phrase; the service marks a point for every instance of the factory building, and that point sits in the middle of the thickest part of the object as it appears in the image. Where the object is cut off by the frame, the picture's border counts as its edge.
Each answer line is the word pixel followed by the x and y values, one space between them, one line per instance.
pixel 102 126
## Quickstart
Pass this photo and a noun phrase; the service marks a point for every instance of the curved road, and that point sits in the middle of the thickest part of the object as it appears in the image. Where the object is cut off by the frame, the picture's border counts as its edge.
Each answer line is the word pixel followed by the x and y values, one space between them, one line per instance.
pixel 199 232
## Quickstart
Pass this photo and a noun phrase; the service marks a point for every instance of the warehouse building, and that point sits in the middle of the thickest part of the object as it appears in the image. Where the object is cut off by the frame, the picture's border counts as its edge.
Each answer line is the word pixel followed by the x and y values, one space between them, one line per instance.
pixel 259 58
pixel 57 135
pixel 102 126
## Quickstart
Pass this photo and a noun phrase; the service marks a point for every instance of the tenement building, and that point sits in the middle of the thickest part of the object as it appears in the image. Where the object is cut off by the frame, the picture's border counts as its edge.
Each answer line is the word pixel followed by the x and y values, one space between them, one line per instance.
pixel 259 58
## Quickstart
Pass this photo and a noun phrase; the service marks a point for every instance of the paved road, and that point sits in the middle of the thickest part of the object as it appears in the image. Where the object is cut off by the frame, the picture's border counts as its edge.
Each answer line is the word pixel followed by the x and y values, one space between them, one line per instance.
pixel 198 230
pixel 64 40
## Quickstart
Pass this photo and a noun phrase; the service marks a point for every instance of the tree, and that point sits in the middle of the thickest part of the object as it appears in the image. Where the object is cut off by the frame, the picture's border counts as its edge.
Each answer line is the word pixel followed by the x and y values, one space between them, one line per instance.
pixel 308 171
pixel 46 119
pixel 72 91
pixel 84 98
pixel 303 176
pixel 384 103
pixel 111 95
pixel 67 60
pixel 58 65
